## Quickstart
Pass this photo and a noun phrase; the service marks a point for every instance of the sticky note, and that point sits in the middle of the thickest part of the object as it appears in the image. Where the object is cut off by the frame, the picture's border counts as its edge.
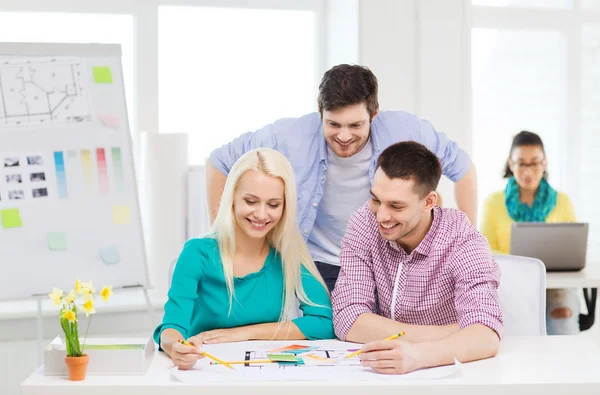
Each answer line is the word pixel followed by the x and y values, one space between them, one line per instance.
pixel 102 75
pixel 57 241
pixel 11 218
pixel 121 215
pixel 110 255
pixel 282 357
pixel 110 120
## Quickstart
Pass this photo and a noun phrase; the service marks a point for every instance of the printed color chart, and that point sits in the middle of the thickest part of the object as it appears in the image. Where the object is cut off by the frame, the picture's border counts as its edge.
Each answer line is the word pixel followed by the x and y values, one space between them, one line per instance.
pixel 88 169
pixel 117 162
pixel 102 171
pixel 61 175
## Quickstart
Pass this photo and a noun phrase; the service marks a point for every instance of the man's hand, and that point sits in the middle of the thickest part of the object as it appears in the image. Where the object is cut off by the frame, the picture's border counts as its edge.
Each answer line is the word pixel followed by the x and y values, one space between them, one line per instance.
pixel 392 356
pixel 215 336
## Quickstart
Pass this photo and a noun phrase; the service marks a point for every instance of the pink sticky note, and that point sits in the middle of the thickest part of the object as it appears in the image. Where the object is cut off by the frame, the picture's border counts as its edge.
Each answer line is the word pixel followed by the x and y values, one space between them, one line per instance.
pixel 110 120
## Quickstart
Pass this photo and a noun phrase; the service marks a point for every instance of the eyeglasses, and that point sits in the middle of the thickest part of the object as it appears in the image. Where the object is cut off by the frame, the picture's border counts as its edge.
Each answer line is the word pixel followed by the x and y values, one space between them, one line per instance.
pixel 536 166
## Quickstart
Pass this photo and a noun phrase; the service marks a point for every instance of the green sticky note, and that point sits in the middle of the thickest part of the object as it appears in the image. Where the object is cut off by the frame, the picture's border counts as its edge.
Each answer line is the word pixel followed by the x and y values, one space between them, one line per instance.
pixel 121 215
pixel 11 218
pixel 102 75
pixel 282 357
pixel 57 241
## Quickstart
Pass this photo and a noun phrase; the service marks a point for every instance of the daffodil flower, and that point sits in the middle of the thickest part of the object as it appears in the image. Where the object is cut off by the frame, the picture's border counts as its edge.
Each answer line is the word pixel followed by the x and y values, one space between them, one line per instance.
pixel 88 288
pixel 78 286
pixel 56 296
pixel 69 315
pixel 106 293
pixel 88 307
pixel 70 298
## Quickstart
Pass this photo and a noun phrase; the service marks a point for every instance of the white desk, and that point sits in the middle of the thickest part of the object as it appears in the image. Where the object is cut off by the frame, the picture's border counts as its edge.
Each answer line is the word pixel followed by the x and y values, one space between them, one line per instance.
pixel 525 365
pixel 587 278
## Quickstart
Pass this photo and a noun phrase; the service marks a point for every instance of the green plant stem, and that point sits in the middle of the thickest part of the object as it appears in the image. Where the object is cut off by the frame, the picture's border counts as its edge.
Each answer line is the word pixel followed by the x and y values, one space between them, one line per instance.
pixel 86 333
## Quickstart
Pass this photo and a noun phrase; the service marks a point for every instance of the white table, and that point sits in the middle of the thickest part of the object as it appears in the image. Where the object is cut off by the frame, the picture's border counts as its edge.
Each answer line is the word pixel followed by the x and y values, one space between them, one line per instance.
pixel 525 365
pixel 589 277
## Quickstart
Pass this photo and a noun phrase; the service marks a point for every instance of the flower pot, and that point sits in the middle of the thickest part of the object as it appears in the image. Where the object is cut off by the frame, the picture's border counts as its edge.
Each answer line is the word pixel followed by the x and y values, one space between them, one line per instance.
pixel 77 367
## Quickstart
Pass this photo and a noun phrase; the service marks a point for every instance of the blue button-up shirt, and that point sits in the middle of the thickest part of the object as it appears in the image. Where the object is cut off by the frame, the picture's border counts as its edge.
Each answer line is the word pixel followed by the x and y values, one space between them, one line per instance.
pixel 301 140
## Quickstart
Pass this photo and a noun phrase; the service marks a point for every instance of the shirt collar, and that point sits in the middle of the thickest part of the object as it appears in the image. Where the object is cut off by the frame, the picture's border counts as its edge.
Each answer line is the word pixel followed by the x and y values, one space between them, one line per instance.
pixel 425 245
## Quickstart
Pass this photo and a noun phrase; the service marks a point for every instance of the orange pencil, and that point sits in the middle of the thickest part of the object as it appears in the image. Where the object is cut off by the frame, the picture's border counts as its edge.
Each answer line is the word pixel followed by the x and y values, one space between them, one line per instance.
pixel 397 335
pixel 207 355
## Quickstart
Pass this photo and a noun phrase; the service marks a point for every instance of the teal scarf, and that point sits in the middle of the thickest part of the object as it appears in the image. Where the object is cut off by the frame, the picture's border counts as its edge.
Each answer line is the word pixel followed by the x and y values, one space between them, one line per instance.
pixel 544 203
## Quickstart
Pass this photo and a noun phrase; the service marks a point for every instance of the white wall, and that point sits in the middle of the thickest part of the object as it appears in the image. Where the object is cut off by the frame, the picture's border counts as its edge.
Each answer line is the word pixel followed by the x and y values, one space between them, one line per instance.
pixel 416 50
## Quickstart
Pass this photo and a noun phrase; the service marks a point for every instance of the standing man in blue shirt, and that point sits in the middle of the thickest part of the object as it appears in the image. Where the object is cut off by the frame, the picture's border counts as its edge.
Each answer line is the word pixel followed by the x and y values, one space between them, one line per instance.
pixel 334 153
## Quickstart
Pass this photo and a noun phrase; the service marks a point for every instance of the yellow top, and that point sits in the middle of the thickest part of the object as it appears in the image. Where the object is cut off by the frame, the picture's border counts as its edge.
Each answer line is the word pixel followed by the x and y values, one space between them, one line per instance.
pixel 496 222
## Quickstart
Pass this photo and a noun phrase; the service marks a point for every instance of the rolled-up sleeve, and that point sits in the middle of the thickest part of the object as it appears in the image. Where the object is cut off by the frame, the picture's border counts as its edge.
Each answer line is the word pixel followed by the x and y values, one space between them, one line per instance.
pixel 354 292
pixel 477 278
pixel 455 161
pixel 179 308
pixel 316 322
pixel 225 156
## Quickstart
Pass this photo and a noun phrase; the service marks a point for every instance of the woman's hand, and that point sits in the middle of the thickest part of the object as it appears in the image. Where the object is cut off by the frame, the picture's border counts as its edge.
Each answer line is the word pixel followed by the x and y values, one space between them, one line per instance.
pixel 215 336
pixel 185 357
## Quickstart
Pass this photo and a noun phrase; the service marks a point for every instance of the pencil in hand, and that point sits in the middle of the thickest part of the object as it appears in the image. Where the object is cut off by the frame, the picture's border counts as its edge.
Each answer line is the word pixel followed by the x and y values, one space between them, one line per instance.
pixel 397 335
pixel 207 354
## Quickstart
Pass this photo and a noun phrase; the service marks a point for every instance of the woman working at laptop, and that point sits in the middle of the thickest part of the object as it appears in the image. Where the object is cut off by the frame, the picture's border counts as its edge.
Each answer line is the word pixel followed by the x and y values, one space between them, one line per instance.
pixel 528 197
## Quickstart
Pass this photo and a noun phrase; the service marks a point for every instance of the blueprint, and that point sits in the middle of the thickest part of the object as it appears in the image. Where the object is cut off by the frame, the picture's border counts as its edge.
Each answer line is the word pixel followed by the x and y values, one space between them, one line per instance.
pixel 41 91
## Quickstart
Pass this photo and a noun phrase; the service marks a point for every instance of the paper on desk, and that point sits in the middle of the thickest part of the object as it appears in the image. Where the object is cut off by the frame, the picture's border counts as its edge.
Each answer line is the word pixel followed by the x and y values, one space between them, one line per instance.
pixel 203 372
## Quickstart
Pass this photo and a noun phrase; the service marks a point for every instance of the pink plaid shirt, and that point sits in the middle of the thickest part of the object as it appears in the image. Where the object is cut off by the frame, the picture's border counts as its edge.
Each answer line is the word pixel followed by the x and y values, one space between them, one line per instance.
pixel 449 278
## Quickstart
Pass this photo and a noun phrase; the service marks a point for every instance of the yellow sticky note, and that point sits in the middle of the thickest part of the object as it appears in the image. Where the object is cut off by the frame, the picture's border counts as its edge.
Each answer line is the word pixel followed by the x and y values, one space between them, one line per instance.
pixel 11 218
pixel 102 75
pixel 121 215
pixel 57 241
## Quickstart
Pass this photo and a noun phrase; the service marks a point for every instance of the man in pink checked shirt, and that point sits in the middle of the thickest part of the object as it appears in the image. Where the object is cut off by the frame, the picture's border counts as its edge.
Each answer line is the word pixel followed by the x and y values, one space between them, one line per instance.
pixel 409 265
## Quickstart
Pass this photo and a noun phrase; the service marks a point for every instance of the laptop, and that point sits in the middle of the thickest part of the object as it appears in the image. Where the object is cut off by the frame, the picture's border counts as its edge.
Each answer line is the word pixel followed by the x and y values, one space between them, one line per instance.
pixel 560 246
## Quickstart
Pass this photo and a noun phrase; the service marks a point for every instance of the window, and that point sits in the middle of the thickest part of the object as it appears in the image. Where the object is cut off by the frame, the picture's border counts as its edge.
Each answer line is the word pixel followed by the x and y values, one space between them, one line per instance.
pixel 519 83
pixel 526 3
pixel 226 71
pixel 88 28
pixel 540 73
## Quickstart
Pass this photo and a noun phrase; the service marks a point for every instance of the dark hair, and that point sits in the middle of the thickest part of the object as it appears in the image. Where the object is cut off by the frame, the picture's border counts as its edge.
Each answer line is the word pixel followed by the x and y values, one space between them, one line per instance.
pixel 344 85
pixel 521 139
pixel 410 160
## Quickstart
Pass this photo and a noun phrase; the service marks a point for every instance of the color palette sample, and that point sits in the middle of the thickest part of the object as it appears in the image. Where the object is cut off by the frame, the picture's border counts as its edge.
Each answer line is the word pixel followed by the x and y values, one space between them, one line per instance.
pixel 61 175
pixel 11 218
pixel 102 171
pixel 102 75
pixel 57 241
pixel 88 169
pixel 117 164
pixel 110 255
pixel 121 215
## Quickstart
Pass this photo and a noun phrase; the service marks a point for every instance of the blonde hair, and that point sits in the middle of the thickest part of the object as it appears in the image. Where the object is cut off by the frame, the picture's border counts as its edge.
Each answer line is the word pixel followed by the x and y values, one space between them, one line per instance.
pixel 285 237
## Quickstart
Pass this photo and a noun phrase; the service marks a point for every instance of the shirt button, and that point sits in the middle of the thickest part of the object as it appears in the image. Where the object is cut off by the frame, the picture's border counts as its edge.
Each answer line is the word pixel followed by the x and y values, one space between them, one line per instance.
pixel 322 178
pixel 305 231
pixel 315 204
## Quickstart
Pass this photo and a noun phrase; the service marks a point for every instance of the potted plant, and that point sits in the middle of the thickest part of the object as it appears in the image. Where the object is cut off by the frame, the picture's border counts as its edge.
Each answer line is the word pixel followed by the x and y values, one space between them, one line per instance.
pixel 75 359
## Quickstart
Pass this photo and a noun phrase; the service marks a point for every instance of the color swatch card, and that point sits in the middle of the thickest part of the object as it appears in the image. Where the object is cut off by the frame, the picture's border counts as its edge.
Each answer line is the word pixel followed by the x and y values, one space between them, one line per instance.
pixel 121 215
pixel 11 218
pixel 102 75
pixel 57 241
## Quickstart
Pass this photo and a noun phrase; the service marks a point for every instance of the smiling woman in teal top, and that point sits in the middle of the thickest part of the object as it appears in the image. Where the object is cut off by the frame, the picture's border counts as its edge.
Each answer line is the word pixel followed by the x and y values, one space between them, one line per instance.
pixel 248 279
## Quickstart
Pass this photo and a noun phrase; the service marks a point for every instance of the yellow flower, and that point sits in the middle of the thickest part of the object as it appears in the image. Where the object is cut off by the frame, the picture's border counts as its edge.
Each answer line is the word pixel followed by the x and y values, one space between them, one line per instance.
pixel 87 288
pixel 88 296
pixel 69 316
pixel 106 292
pixel 56 296
pixel 70 298
pixel 78 286
pixel 88 307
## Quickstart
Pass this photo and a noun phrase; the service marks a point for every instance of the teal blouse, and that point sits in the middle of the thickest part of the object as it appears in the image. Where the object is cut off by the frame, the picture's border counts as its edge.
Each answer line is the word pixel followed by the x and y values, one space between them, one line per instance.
pixel 199 302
